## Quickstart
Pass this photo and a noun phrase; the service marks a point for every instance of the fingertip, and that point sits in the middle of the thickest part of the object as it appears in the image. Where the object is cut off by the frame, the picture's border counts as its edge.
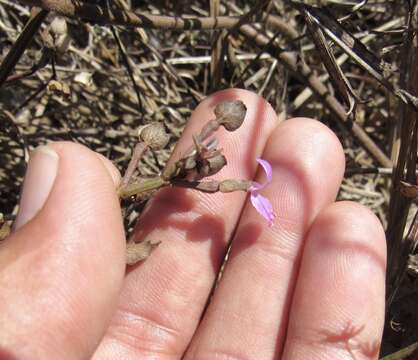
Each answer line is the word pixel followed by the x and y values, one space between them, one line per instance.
pixel 111 169
pixel 42 172
pixel 77 151
pixel 350 224
pixel 316 138
pixel 39 179
pixel 308 161
pixel 84 202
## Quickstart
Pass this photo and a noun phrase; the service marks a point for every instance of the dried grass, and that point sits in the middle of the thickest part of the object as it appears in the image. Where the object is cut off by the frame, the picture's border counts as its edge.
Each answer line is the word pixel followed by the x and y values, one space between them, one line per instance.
pixel 173 70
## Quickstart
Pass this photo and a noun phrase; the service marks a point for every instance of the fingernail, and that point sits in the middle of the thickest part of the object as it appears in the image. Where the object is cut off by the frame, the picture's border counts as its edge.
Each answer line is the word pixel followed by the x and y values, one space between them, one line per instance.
pixel 39 178
pixel 111 169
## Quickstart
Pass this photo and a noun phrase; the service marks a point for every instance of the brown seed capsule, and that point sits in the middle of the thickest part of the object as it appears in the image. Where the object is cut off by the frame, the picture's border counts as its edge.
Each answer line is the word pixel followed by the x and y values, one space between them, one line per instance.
pixel 154 135
pixel 171 171
pixel 230 114
pixel 5 229
pixel 59 26
pixel 59 32
pixel 211 166
pixel 136 252
pixel 234 185
pixel 209 186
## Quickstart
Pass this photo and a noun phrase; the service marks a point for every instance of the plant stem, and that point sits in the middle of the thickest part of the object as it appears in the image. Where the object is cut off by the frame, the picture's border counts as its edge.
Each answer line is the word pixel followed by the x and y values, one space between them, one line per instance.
pixel 142 187
pixel 99 15
pixel 22 42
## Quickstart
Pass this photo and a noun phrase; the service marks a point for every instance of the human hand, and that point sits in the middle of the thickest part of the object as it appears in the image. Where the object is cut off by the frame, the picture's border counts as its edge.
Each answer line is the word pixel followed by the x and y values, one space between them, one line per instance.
pixel 309 287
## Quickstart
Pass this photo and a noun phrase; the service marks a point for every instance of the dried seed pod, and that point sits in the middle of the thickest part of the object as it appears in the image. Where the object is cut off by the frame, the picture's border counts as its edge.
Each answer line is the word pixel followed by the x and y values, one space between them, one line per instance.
pixel 189 163
pixel 234 185
pixel 59 26
pixel 210 186
pixel 48 40
pixel 136 252
pixel 230 114
pixel 171 171
pixel 211 166
pixel 154 135
pixel 5 228
pixel 59 32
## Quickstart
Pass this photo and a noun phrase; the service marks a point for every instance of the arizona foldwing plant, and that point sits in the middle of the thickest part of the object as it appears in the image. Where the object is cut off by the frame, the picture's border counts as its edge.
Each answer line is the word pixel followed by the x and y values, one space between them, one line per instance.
pixel 203 159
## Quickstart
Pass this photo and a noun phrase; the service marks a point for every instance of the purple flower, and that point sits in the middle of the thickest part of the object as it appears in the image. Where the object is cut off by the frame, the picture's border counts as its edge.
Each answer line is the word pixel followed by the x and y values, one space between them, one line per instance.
pixel 261 203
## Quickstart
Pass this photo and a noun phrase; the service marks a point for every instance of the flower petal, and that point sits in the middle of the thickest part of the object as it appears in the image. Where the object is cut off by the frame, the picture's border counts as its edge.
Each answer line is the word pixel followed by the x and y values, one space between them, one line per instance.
pixel 267 168
pixel 263 206
pixel 255 186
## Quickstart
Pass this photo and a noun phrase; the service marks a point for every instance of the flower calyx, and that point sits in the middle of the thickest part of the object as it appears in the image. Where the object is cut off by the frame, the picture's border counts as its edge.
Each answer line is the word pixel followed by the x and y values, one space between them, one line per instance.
pixel 154 135
pixel 230 114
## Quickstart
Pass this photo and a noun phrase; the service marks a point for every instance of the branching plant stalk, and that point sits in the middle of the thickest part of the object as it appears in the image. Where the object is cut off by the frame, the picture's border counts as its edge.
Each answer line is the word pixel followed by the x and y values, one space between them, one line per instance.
pixel 137 154
pixel 398 245
pixel 306 75
pixel 128 66
pixel 22 42
pixel 100 15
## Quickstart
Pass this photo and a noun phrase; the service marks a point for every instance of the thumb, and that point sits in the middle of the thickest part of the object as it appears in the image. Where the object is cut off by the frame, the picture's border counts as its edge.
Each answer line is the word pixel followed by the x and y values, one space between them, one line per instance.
pixel 40 176
pixel 62 267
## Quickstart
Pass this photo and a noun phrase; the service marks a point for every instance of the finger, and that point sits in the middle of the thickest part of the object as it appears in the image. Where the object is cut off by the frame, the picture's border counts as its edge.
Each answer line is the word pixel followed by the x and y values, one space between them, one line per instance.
pixel 338 306
pixel 247 317
pixel 62 268
pixel 194 229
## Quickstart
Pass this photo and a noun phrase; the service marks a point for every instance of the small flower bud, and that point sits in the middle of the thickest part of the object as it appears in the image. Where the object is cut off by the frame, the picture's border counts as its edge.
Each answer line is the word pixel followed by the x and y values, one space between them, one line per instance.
pixel 154 135
pixel 230 114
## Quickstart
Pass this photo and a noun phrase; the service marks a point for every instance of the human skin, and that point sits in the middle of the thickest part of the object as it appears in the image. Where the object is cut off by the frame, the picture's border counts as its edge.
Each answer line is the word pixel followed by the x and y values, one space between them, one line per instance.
pixel 309 287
